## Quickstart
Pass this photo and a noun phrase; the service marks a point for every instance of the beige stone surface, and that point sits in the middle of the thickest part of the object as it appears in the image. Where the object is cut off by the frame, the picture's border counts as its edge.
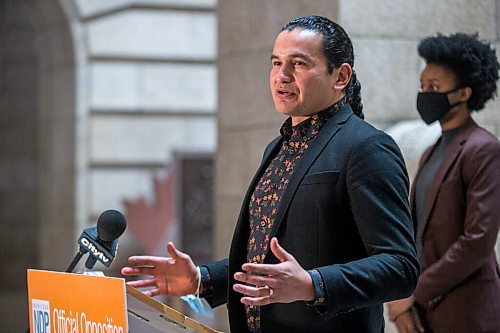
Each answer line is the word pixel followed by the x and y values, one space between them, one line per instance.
pixel 488 119
pixel 156 34
pixel 145 86
pixel 148 139
pixel 109 187
pixel 389 72
pixel 244 94
pixel 414 19
pixel 97 7
pixel 247 26
pixel 238 156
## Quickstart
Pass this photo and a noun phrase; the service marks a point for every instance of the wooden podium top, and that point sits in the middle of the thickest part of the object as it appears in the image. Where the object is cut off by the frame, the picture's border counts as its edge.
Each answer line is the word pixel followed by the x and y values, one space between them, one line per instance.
pixel 159 315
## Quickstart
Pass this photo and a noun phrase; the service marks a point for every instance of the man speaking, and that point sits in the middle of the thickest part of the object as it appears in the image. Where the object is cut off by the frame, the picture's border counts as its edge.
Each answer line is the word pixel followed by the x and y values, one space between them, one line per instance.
pixel 324 235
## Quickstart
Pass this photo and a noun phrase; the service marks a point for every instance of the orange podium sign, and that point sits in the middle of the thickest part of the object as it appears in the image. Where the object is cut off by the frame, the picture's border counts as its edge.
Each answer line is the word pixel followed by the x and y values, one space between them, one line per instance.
pixel 71 303
pixel 75 303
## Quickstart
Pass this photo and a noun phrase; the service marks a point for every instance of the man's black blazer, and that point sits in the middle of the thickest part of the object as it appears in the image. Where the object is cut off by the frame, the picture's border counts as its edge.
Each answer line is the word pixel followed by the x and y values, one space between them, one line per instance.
pixel 345 212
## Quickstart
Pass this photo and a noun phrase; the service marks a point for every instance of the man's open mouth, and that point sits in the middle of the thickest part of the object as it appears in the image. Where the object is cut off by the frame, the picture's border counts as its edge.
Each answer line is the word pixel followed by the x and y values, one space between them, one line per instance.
pixel 284 93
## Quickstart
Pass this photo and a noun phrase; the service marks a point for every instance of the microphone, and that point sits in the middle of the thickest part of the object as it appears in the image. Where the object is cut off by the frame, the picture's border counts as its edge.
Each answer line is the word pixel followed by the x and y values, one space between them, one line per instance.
pixel 100 242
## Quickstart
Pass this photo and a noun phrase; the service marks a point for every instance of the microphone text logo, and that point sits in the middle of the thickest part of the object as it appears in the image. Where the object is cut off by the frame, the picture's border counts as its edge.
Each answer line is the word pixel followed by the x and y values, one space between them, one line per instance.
pixel 95 252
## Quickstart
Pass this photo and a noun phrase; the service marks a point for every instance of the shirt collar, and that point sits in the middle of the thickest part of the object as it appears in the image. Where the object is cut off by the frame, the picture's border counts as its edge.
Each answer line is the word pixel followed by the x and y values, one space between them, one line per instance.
pixel 447 136
pixel 309 128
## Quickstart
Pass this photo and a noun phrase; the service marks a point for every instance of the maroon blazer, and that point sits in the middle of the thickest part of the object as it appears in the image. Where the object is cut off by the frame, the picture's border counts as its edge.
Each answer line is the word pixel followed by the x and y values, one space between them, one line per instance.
pixel 460 286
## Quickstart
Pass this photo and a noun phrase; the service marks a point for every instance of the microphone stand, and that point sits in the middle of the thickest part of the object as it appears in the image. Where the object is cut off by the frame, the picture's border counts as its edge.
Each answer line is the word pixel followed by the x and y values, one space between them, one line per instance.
pixel 75 261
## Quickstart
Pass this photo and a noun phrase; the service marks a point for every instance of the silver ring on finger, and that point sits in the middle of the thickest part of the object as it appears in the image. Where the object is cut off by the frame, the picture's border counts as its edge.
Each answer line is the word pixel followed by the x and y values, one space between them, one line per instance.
pixel 271 292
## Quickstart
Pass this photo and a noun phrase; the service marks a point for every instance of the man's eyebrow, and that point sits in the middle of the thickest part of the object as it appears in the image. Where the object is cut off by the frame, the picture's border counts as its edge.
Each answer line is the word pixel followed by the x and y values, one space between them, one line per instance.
pixel 293 55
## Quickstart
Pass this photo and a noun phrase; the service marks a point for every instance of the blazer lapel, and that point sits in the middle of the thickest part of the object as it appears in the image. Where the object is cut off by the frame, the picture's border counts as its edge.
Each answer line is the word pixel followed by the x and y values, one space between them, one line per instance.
pixel 242 228
pixel 310 155
pixel 449 158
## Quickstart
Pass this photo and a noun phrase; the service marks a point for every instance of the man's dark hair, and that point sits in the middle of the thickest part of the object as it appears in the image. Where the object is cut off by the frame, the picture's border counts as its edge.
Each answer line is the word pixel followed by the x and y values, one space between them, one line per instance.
pixel 337 48
pixel 473 62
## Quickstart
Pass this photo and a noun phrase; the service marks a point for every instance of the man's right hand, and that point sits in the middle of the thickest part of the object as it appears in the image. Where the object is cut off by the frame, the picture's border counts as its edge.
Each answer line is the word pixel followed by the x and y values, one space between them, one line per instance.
pixel 173 276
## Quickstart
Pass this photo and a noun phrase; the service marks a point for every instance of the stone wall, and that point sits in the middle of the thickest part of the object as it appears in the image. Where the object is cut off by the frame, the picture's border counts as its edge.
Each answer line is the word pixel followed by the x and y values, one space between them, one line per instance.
pixel 150 89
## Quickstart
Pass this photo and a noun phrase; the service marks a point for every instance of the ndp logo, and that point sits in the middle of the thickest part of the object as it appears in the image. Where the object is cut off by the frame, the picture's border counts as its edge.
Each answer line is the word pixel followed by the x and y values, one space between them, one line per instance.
pixel 41 316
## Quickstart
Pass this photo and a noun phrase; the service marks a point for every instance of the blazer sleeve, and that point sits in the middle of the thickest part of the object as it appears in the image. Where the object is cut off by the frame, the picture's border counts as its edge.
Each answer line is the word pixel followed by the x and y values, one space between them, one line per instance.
pixel 218 272
pixel 481 175
pixel 377 185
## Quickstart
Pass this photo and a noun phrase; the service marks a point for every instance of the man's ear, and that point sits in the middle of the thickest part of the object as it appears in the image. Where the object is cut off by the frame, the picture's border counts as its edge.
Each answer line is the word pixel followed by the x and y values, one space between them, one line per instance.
pixel 343 76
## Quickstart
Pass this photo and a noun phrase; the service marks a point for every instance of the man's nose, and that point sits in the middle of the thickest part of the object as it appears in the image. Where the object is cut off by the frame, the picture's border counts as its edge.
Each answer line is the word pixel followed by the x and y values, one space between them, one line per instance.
pixel 284 75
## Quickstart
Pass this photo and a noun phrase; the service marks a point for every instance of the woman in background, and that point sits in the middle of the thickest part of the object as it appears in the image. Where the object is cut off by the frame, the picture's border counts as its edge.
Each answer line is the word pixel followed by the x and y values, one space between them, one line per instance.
pixel 455 198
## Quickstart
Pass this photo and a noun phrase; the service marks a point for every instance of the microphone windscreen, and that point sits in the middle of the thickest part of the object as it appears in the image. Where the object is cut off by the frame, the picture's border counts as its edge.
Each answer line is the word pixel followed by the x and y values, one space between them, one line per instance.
pixel 110 225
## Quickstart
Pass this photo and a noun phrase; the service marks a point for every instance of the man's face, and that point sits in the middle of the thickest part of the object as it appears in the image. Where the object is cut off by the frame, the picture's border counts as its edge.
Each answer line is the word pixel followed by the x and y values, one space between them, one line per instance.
pixel 300 83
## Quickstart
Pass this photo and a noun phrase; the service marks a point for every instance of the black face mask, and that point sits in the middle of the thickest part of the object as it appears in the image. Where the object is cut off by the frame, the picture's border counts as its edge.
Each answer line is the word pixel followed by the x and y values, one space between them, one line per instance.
pixel 434 105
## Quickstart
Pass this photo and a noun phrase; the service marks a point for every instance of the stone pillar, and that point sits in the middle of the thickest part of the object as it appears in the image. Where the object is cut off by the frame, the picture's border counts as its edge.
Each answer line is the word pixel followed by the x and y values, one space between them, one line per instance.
pixel 36 142
pixel 19 159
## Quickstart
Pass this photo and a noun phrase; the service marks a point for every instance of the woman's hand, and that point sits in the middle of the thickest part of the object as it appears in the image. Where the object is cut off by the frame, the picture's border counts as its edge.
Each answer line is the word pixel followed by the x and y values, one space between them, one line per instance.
pixel 406 323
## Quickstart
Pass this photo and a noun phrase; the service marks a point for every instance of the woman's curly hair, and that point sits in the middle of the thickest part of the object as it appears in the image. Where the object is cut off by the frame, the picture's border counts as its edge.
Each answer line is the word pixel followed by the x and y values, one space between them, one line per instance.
pixel 473 62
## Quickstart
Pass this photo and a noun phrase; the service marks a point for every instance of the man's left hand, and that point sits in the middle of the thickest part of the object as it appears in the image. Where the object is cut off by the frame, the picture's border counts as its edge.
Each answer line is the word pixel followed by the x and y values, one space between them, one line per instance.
pixel 285 282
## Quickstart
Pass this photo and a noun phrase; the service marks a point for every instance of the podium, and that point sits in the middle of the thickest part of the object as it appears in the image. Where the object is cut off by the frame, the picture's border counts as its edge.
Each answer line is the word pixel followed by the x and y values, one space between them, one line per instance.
pixel 74 303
